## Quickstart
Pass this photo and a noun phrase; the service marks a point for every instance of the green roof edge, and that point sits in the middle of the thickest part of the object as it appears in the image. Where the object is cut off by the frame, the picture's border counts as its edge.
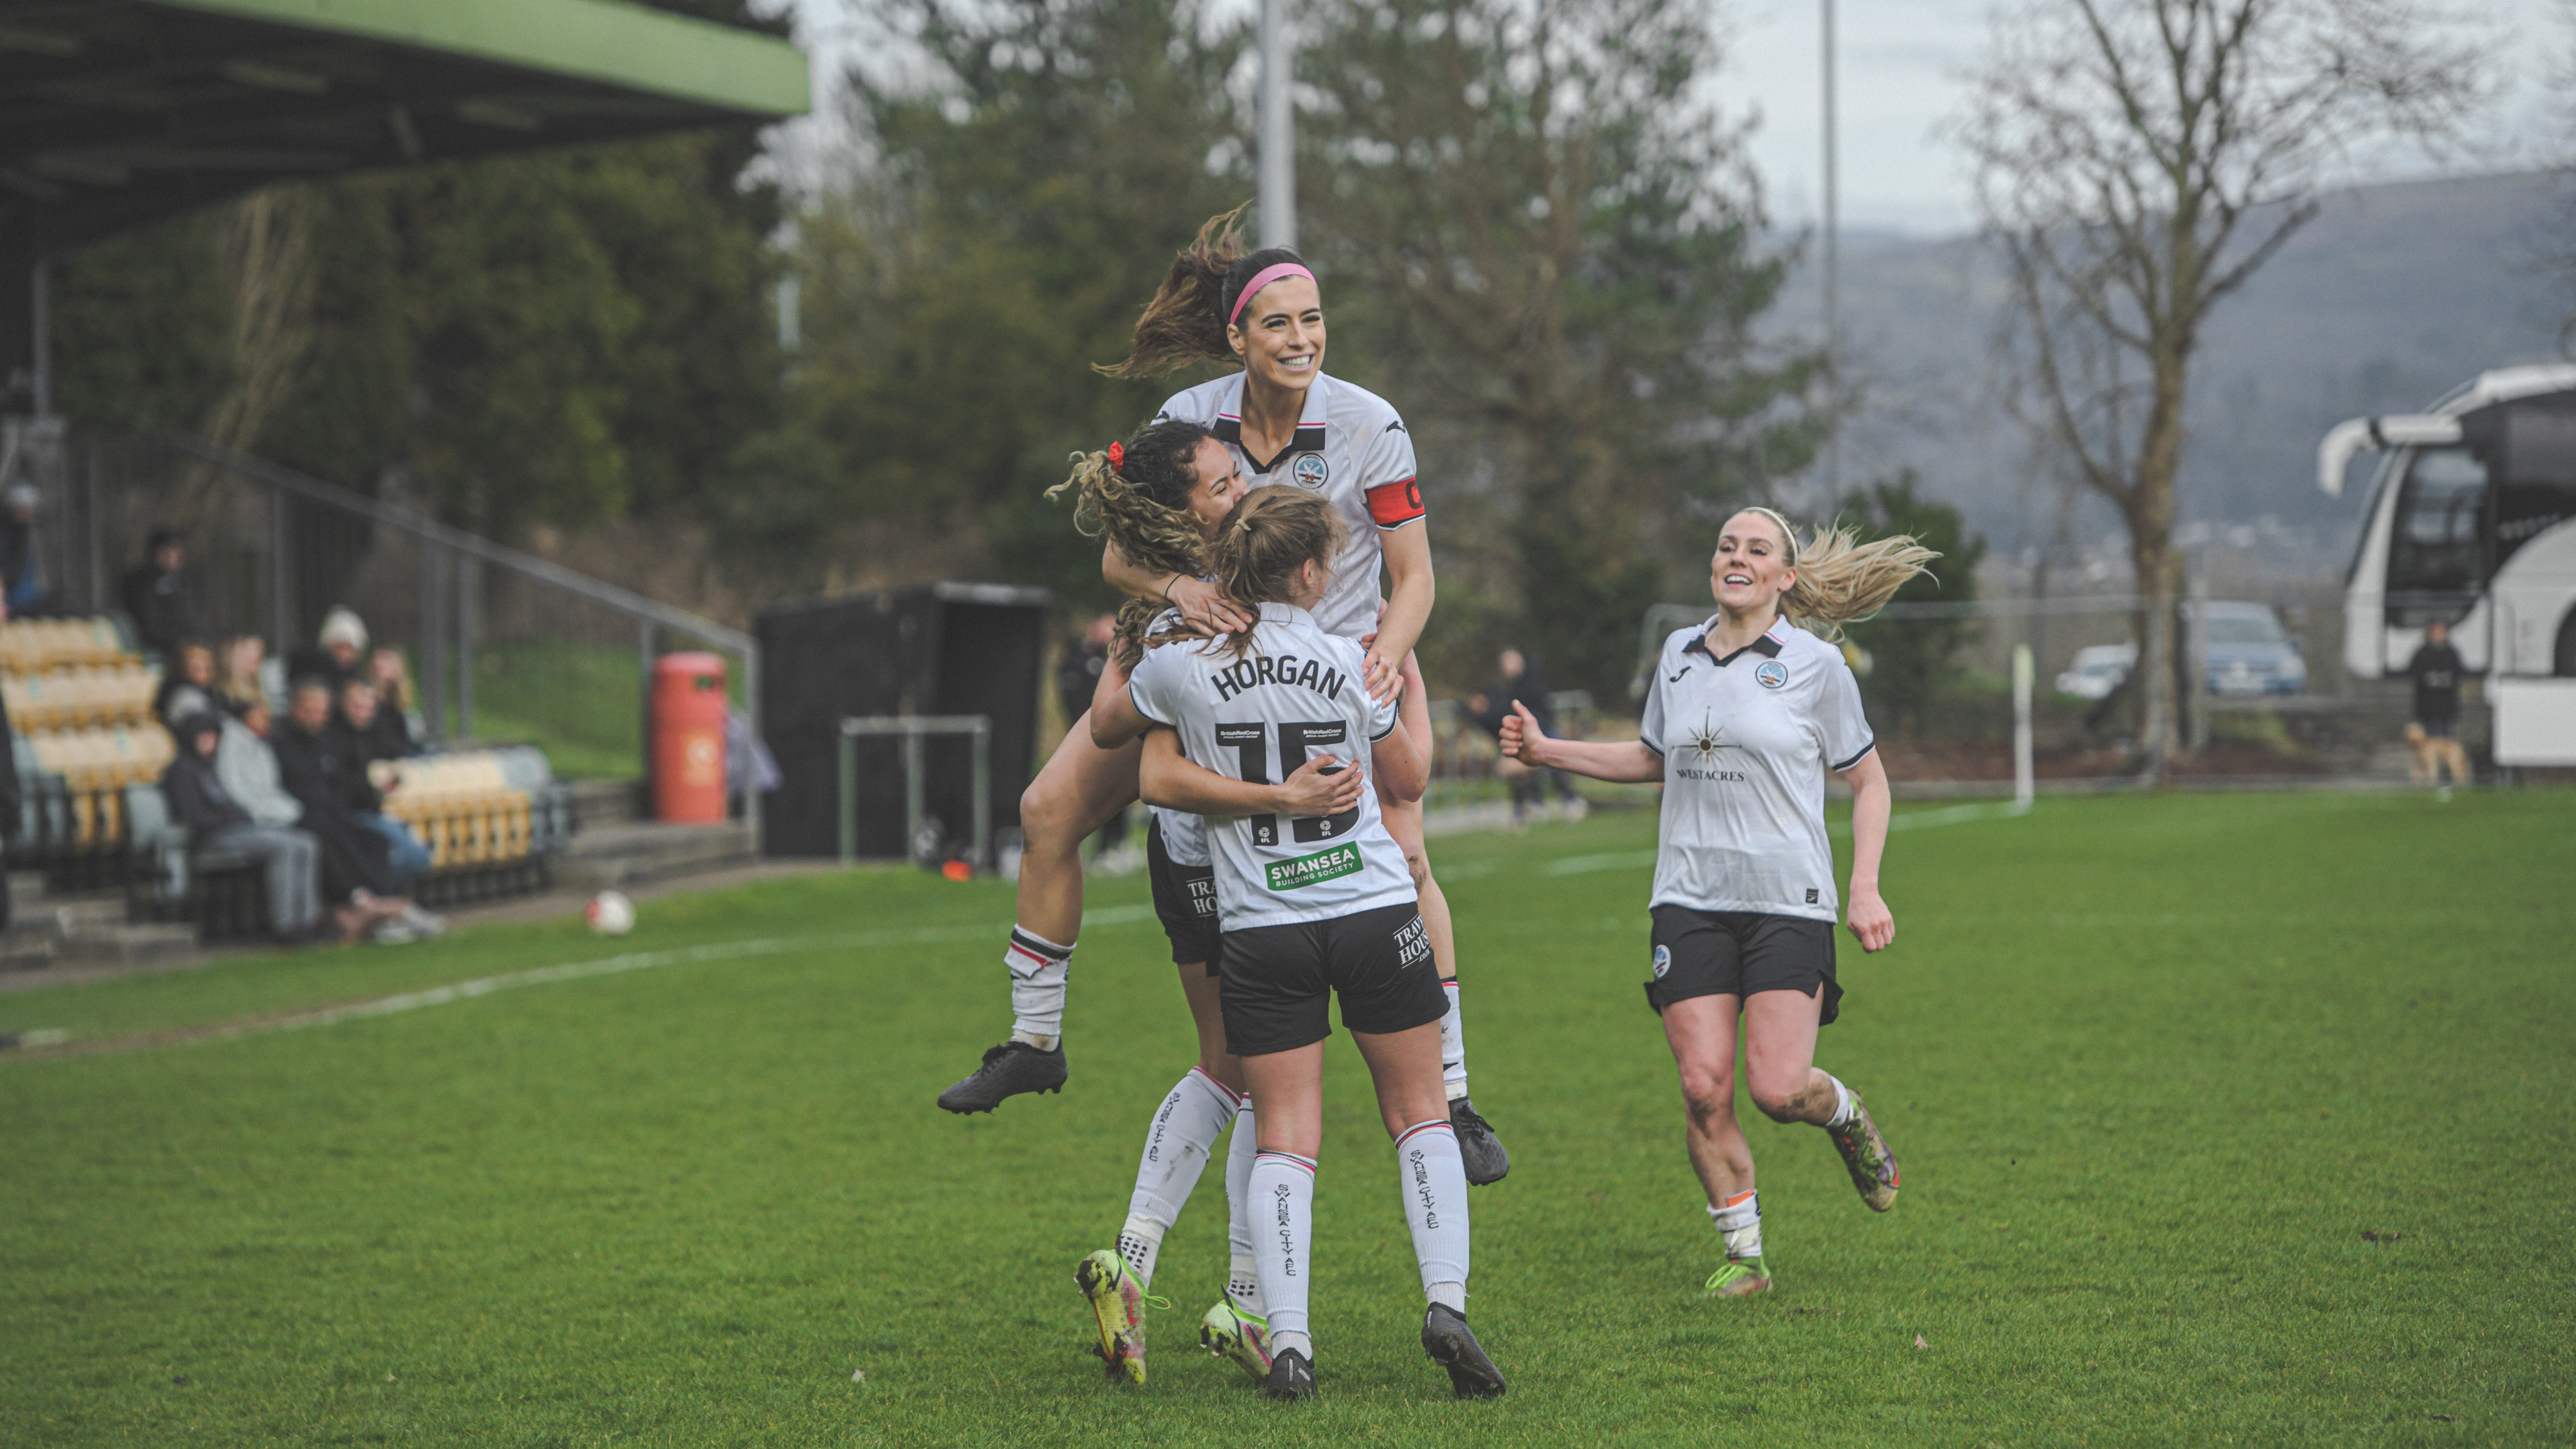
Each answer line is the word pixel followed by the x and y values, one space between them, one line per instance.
pixel 596 40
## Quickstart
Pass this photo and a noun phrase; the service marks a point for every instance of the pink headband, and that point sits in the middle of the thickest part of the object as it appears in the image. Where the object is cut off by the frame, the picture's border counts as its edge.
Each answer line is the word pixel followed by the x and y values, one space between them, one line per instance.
pixel 1264 278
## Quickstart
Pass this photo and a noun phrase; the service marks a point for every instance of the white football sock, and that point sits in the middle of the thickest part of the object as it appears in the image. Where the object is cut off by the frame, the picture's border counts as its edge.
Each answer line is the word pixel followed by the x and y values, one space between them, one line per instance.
pixel 1243 1281
pixel 1842 1103
pixel 1283 1193
pixel 1140 1243
pixel 1453 1045
pixel 1434 1182
pixel 1038 968
pixel 1193 1115
pixel 1739 1222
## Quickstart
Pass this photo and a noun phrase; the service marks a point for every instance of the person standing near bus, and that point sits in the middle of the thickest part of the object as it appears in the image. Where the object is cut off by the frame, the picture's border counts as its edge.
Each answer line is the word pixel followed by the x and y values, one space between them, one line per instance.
pixel 2436 670
pixel 1744 716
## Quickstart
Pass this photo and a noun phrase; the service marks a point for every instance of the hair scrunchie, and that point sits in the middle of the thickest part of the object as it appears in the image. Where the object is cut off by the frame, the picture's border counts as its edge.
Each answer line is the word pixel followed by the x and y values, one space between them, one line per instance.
pixel 1117 456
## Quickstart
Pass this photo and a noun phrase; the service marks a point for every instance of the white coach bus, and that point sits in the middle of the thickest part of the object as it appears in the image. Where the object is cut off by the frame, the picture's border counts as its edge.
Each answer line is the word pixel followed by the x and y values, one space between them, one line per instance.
pixel 2472 521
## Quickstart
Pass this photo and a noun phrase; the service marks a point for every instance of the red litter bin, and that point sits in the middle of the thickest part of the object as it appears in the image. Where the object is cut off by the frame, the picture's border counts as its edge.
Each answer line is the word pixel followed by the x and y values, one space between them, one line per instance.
pixel 689 738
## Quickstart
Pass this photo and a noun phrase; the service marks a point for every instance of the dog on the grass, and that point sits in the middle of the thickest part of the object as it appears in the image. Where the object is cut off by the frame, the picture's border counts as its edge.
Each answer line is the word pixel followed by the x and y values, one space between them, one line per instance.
pixel 2433 756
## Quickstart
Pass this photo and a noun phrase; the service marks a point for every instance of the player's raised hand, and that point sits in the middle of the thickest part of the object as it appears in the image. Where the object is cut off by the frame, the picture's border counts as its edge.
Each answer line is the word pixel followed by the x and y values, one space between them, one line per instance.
pixel 1521 734
pixel 1311 790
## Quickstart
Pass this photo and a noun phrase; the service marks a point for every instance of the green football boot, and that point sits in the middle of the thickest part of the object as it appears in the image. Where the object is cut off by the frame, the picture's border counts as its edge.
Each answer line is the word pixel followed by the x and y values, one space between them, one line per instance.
pixel 1229 1332
pixel 1118 1302
pixel 1865 1154
pixel 1740 1277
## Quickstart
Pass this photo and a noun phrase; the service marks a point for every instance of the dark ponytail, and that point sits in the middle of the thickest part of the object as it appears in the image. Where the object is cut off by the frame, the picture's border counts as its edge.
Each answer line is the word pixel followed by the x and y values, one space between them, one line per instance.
pixel 1187 320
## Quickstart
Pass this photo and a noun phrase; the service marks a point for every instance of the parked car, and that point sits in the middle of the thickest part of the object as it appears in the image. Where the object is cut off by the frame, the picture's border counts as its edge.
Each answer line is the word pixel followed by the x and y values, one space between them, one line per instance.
pixel 2097 669
pixel 2249 651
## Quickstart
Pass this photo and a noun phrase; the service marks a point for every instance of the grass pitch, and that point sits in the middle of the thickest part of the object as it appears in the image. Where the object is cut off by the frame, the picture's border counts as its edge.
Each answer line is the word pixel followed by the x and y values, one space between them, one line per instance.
pixel 2223 1119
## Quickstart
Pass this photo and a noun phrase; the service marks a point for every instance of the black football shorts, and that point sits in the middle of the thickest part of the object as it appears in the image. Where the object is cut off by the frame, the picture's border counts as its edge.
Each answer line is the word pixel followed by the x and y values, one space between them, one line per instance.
pixel 1279 980
pixel 1737 953
pixel 1184 900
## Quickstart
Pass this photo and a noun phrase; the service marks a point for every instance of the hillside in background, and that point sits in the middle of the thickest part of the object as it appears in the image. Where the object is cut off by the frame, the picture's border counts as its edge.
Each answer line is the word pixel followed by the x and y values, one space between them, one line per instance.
pixel 2392 296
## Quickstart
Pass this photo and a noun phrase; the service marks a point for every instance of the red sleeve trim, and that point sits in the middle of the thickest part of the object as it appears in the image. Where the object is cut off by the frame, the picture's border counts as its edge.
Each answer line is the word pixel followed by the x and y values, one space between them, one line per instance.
pixel 1394 505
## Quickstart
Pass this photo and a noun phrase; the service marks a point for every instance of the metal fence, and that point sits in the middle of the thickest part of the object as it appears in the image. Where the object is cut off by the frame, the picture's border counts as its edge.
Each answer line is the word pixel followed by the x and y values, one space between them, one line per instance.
pixel 500 646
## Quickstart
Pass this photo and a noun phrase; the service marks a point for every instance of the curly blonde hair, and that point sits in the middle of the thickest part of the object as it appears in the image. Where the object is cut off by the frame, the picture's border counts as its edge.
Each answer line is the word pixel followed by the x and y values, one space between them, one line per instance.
pixel 1840 579
pixel 1139 501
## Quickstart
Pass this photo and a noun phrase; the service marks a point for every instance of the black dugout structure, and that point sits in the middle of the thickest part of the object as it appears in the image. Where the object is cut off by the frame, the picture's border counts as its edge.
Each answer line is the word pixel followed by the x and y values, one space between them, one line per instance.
pixel 946 648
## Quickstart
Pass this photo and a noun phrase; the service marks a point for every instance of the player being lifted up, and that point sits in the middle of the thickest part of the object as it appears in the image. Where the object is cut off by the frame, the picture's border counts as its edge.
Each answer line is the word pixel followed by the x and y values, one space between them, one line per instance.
pixel 1283 421
pixel 1312 907
pixel 1743 717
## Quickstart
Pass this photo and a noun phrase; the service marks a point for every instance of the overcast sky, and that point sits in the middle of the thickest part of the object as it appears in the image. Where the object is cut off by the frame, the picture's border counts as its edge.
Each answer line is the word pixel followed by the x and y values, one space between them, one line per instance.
pixel 1900 61
pixel 1900 65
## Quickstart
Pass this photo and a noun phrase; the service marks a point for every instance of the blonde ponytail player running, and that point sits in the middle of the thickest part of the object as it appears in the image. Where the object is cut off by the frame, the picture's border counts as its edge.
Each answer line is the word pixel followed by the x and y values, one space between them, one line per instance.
pixel 1743 717
pixel 1312 908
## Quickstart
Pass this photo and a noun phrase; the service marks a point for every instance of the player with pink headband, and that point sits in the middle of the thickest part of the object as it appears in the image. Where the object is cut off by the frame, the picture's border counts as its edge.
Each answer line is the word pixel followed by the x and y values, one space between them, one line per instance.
pixel 1283 421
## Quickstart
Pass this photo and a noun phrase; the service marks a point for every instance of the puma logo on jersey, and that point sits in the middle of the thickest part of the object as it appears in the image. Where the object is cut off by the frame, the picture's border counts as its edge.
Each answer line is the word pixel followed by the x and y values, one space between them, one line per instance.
pixel 1286 669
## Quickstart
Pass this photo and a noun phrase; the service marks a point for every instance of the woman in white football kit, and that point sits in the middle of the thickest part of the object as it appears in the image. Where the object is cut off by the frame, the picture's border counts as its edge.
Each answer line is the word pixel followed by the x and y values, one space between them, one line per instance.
pixel 1282 420
pixel 1743 717
pixel 1311 908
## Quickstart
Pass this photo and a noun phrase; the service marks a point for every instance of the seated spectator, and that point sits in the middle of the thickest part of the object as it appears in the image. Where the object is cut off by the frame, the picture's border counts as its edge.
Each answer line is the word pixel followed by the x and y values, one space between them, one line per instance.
pixel 334 656
pixel 391 675
pixel 375 732
pixel 288 858
pixel 189 687
pixel 156 595
pixel 20 573
pixel 248 768
pixel 315 763
pixel 245 676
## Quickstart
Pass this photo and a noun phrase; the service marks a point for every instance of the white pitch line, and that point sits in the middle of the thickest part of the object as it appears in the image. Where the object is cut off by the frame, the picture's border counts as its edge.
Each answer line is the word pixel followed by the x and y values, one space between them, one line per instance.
pixel 604 966
pixel 1910 820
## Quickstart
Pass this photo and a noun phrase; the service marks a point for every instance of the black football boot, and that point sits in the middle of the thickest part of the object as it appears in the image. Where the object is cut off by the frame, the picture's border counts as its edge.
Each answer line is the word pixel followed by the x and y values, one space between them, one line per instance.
pixel 1478 1148
pixel 1452 1345
pixel 1292 1377
pixel 1008 1070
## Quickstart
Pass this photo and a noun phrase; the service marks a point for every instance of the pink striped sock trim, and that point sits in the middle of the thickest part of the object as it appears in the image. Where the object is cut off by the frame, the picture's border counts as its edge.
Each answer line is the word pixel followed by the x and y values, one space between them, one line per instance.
pixel 1290 1157
pixel 1418 1128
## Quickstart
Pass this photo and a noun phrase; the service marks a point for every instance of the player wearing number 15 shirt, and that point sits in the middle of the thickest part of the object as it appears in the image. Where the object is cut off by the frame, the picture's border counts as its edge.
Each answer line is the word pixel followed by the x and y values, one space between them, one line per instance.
pixel 1312 907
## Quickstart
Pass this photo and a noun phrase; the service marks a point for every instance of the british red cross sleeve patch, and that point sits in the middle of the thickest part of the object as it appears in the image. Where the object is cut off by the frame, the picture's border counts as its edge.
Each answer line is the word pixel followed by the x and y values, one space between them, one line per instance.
pixel 1394 505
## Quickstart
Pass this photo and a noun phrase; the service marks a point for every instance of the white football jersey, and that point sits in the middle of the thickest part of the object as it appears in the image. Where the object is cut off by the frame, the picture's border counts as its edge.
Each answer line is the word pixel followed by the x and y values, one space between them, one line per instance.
pixel 1351 447
pixel 1746 742
pixel 1184 834
pixel 1294 692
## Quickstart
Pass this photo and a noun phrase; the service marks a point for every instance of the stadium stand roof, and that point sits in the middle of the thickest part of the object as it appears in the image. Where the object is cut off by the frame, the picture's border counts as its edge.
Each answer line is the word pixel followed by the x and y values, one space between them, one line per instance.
pixel 114 113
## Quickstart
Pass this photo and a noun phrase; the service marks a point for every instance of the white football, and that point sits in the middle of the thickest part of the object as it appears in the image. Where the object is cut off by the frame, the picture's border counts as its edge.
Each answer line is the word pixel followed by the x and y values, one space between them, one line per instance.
pixel 610 913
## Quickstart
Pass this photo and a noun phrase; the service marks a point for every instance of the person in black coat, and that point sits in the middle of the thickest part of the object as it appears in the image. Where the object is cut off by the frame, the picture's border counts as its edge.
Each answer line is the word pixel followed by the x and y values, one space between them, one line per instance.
pixel 319 772
pixel 288 857
pixel 156 596
pixel 1520 682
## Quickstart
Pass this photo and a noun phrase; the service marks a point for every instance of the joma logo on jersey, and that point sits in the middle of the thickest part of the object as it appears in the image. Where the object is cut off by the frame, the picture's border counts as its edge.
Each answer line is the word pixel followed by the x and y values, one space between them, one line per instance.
pixel 1286 669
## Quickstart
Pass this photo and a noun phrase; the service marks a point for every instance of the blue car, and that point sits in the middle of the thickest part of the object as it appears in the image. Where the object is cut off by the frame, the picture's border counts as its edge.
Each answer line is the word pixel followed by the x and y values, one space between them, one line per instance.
pixel 2249 651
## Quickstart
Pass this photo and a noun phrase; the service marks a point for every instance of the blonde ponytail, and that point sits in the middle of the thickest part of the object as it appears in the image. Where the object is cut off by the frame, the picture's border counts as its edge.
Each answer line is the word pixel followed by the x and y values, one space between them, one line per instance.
pixel 1840 579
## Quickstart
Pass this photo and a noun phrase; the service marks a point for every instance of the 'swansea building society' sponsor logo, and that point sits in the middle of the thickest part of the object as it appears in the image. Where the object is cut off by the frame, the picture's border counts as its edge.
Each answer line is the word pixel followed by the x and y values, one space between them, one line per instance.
pixel 1306 870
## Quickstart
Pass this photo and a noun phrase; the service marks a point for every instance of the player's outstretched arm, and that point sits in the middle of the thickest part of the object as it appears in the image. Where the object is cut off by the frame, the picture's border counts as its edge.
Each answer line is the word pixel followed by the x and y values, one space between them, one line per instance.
pixel 1167 778
pixel 1870 919
pixel 1628 762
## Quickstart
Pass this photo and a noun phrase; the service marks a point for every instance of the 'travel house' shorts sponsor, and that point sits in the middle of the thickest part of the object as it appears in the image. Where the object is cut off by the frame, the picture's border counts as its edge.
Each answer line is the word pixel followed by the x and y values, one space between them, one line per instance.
pixel 1280 980
pixel 1184 901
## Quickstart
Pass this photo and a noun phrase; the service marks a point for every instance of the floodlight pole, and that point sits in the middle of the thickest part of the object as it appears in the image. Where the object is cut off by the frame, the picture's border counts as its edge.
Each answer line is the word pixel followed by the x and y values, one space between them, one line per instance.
pixel 1277 130
pixel 1833 267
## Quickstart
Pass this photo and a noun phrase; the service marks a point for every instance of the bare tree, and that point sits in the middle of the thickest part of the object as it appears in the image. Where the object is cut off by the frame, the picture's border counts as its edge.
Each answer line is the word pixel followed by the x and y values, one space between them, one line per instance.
pixel 2138 161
